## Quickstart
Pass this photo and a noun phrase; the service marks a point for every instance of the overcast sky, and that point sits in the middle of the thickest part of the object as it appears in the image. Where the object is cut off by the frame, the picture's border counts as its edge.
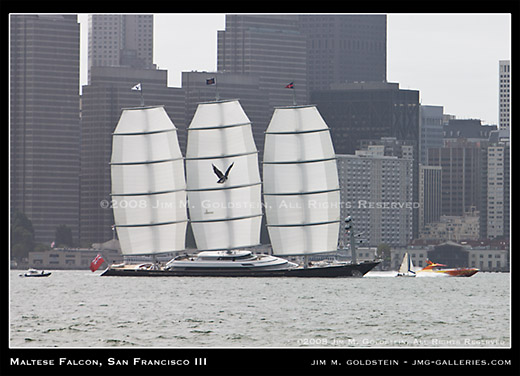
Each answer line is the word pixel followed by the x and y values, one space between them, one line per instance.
pixel 452 59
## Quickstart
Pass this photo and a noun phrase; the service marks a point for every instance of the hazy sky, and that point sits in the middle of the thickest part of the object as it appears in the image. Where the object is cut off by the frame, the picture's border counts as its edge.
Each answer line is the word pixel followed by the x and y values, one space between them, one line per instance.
pixel 452 59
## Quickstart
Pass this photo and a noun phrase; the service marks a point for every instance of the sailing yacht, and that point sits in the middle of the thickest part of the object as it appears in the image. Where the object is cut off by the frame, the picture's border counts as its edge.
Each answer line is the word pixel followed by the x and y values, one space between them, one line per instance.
pixel 406 268
pixel 223 189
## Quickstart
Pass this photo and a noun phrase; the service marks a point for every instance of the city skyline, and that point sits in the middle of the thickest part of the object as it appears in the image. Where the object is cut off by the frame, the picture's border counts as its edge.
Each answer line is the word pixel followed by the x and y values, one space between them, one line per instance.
pixel 441 55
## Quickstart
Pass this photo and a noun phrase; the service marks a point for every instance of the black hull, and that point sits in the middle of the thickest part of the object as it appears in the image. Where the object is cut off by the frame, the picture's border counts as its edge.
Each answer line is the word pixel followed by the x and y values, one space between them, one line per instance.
pixel 333 271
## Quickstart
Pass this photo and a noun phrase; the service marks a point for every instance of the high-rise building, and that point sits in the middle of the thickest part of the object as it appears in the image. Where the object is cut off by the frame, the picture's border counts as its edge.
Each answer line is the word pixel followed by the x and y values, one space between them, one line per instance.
pixel 431 130
pixel 344 48
pixel 270 47
pixel 504 103
pixel 356 112
pixel 120 40
pixel 376 191
pixel 430 198
pixel 108 92
pixel 498 190
pixel 370 110
pixel 44 121
pixel 461 163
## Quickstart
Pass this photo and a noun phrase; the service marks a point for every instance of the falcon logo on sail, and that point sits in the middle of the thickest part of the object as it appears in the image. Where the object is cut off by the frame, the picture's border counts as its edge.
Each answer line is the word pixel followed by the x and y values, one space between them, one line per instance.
pixel 222 178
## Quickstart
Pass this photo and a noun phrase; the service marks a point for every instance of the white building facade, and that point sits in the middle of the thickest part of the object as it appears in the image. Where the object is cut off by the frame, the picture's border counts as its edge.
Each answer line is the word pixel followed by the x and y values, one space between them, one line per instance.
pixel 376 191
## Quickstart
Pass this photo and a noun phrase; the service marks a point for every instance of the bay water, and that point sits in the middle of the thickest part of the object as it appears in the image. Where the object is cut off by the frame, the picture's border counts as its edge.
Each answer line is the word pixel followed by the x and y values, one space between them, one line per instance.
pixel 74 309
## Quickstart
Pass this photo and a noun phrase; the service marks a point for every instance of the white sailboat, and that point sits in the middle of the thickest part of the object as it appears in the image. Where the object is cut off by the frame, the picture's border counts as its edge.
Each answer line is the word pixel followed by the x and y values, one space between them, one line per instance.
pixel 148 183
pixel 406 268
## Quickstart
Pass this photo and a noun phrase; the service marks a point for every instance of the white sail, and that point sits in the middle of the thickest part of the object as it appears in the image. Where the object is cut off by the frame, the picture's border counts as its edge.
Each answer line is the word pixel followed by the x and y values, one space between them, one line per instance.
pixel 403 268
pixel 301 188
pixel 148 183
pixel 226 214
pixel 406 267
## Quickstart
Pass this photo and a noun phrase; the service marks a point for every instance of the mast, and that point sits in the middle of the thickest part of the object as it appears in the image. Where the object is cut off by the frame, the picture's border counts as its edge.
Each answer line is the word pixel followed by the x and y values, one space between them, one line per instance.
pixel 301 189
pixel 223 179
pixel 148 183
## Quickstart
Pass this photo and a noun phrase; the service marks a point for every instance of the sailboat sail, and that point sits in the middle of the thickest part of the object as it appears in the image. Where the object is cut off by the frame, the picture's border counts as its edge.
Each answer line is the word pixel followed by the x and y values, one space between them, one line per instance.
pixel 406 265
pixel 301 188
pixel 223 179
pixel 148 183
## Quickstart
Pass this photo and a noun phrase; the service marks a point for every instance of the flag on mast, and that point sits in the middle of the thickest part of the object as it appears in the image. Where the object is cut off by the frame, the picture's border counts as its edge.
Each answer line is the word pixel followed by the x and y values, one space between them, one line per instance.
pixel 96 263
pixel 213 81
pixel 139 88
pixel 290 85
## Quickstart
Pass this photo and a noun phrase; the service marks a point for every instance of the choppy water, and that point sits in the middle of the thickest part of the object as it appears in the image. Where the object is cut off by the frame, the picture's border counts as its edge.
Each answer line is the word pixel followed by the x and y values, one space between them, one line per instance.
pixel 82 309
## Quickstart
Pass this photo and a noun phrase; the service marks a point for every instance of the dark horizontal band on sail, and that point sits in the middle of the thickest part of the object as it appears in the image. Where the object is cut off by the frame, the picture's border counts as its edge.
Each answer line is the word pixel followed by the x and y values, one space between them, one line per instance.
pixel 221 188
pixel 145 162
pixel 297 162
pixel 137 108
pixel 148 193
pixel 302 193
pixel 153 253
pixel 294 106
pixel 227 219
pixel 229 248
pixel 145 133
pixel 306 224
pixel 153 224
pixel 223 156
pixel 282 254
pixel 299 132
pixel 219 101
pixel 219 127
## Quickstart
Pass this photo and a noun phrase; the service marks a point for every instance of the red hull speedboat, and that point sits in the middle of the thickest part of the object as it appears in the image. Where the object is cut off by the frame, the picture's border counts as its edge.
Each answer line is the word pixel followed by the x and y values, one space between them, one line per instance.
pixel 453 272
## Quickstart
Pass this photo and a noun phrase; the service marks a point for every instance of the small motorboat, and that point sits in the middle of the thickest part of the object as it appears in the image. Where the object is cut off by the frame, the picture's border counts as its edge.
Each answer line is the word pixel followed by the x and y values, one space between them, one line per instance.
pixel 35 273
pixel 451 272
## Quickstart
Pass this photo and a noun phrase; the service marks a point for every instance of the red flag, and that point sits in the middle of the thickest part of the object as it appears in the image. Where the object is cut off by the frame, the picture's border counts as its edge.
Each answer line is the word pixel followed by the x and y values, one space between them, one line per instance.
pixel 290 86
pixel 96 263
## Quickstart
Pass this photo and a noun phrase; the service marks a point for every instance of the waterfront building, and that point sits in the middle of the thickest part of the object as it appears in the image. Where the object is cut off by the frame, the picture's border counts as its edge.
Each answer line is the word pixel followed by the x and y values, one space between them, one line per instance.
pixel 418 254
pixel 72 258
pixel 489 259
pixel 504 99
pixel 44 121
pixel 452 254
